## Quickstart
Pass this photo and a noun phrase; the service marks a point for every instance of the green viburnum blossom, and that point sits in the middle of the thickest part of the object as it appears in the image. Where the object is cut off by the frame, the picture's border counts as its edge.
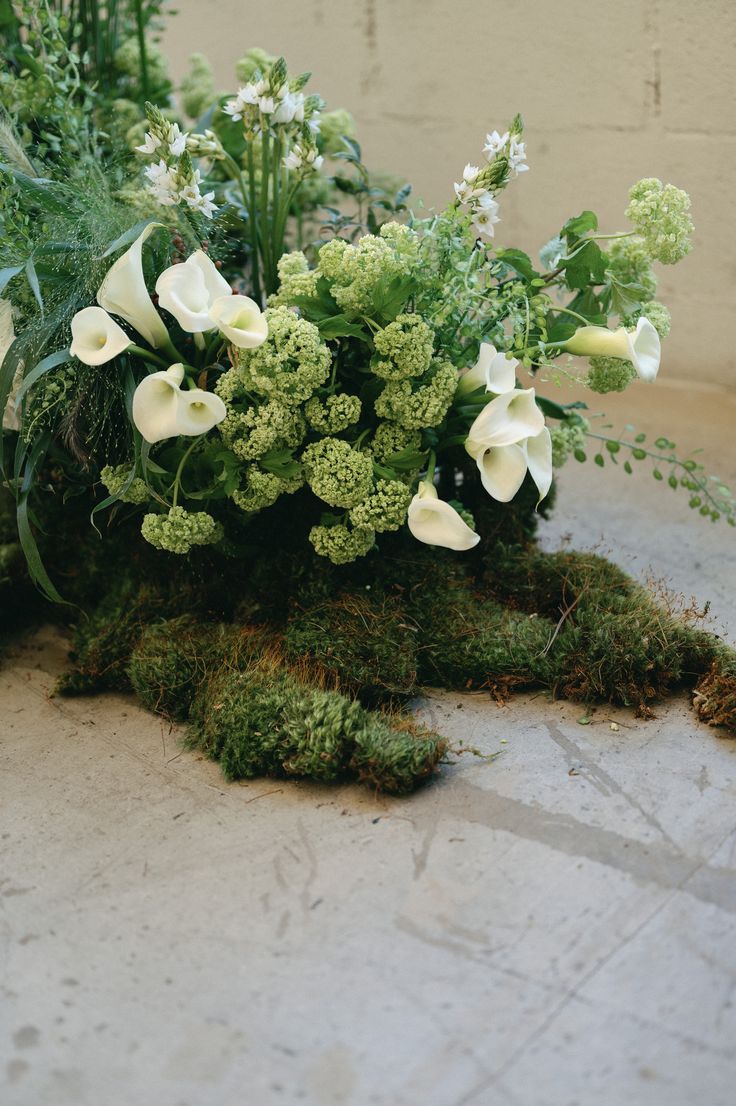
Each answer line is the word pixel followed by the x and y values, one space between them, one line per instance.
pixel 333 415
pixel 566 438
pixel 337 473
pixel 610 374
pixel 391 438
pixel 127 60
pixel 385 508
pixel 660 214
pixel 255 58
pixel 256 430
pixel 355 273
pixel 340 543
pixel 295 279
pixel 179 530
pixel 262 489
pixel 630 263
pixel 198 87
pixel 416 407
pixel 657 314
pixel 115 477
pixel 404 348
pixel 332 126
pixel 291 364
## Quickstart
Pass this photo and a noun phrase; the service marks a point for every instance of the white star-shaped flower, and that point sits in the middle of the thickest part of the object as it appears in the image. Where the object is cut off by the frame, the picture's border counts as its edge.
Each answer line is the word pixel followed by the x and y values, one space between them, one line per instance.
pixel 495 142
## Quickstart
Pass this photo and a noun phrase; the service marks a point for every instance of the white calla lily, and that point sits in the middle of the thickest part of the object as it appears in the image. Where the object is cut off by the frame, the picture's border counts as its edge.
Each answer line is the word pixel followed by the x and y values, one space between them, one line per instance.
pixel 156 404
pixel 641 346
pixel 493 371
pixel 123 292
pixel 508 419
pixel 198 412
pixel 188 291
pixel 503 468
pixel 241 320
pixel 435 522
pixel 96 337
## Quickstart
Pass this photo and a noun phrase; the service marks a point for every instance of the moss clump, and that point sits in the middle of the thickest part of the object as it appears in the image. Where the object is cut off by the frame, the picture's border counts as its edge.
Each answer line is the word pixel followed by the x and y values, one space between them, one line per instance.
pixel 362 640
pixel 263 721
pixel 714 696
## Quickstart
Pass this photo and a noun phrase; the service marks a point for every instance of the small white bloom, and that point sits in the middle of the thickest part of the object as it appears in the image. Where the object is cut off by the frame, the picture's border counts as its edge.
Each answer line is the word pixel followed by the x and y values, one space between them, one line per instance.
pixel 241 320
pixel 493 370
pixel 177 140
pixel 314 122
pixel 96 338
pixel 198 412
pixel 435 522
pixel 293 159
pixel 641 346
pixel 123 292
pixel 150 145
pixel 517 156
pixel 503 468
pixel 484 216
pixel 508 419
pixel 156 404
pixel 188 291
pixel 495 142
pixel 266 105
pixel 470 172
pixel 163 185
pixel 463 191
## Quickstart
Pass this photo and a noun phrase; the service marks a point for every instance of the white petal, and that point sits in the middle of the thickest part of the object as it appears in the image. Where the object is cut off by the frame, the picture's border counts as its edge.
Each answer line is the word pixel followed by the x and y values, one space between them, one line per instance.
pixel 182 292
pixel 435 522
pixel 598 341
pixel 96 338
pixel 198 412
pixel 539 460
pixel 156 404
pixel 502 470
pixel 241 320
pixel 506 420
pixel 645 350
pixel 123 292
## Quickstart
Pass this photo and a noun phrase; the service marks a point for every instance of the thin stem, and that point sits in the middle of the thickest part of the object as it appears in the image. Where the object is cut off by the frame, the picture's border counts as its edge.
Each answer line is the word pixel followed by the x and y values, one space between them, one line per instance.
pixel 265 229
pixel 146 355
pixel 252 222
pixel 431 465
pixel 568 311
pixel 180 470
pixel 140 27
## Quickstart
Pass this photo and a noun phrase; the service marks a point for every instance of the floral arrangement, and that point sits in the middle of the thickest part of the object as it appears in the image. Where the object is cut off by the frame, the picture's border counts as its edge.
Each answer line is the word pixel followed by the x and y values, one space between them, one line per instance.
pixel 226 337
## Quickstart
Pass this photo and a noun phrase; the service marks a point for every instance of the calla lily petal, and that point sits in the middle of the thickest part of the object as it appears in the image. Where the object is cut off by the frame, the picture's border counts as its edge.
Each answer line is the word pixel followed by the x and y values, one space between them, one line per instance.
pixel 241 320
pixel 123 292
pixel 645 350
pixel 156 404
pixel 96 338
pixel 506 420
pixel 198 412
pixel 188 291
pixel 502 470
pixel 435 522
pixel 493 371
pixel 539 459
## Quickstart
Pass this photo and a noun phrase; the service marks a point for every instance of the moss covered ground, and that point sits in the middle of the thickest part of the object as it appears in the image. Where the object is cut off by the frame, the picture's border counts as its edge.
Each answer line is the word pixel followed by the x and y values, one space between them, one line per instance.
pixel 282 664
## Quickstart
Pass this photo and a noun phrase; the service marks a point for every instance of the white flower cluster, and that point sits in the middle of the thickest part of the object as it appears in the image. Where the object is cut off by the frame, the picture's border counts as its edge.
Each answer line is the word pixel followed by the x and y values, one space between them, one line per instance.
pixel 496 143
pixel 473 190
pixel 173 179
pixel 303 157
pixel 260 106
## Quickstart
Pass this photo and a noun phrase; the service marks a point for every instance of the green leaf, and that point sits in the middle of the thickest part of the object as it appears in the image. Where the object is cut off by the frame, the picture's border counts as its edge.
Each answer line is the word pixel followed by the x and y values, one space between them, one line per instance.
pixel 7 274
pixel 127 237
pixel 586 266
pixel 33 281
pixel 519 261
pixel 339 326
pixel 50 362
pixel 388 299
pixel 579 225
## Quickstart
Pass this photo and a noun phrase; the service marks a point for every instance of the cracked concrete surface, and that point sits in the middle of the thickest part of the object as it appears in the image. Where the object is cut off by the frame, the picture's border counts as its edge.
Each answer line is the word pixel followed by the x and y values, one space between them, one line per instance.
pixel 550 924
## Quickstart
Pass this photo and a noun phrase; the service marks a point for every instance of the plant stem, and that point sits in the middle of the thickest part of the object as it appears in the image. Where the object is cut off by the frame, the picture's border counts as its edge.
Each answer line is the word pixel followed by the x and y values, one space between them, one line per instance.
pixel 147 355
pixel 265 229
pixel 180 470
pixel 140 27
pixel 252 222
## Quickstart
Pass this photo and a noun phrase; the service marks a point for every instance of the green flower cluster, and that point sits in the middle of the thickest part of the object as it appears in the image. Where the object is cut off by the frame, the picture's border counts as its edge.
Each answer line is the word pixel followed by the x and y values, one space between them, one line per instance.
pixel 385 508
pixel 179 530
pixel 340 543
pixel 660 214
pixel 337 473
pixel 337 413
pixel 254 431
pixel 610 374
pixel 415 405
pixel 630 263
pixel 404 347
pixel 332 126
pixel 115 477
pixel 391 438
pixel 262 489
pixel 295 279
pixel 657 314
pixel 291 364
pixel 566 438
pixel 198 87
pixel 356 273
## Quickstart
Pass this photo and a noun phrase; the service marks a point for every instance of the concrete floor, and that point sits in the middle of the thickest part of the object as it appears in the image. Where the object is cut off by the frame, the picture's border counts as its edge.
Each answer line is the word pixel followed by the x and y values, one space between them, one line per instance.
pixel 553 924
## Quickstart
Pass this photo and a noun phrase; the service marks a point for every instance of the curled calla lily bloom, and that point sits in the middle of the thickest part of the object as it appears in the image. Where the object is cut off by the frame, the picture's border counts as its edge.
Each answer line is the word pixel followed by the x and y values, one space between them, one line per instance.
pixel 123 292
pixel 508 419
pixel 156 404
pixel 503 468
pixel 241 320
pixel 189 290
pixel 96 338
pixel 198 412
pixel 641 346
pixel 435 522
pixel 493 371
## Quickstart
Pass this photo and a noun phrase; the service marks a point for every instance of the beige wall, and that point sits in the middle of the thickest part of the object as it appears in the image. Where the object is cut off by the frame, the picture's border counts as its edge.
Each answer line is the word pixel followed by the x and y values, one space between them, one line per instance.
pixel 611 91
